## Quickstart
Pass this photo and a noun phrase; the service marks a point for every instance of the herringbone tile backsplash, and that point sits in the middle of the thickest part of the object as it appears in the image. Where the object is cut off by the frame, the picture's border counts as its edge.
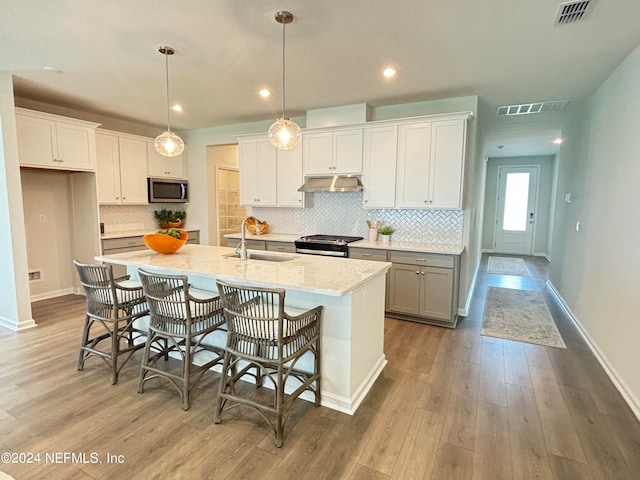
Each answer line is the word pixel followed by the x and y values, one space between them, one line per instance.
pixel 342 214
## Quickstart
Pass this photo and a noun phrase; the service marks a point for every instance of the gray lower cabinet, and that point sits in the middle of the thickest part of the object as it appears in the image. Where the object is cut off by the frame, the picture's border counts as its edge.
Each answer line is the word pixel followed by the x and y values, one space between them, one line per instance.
pixel 423 287
pixel 286 247
pixel 251 244
pixel 375 255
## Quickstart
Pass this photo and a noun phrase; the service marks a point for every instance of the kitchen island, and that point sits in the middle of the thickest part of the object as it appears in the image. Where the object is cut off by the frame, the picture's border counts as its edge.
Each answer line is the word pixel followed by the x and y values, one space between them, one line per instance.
pixel 352 293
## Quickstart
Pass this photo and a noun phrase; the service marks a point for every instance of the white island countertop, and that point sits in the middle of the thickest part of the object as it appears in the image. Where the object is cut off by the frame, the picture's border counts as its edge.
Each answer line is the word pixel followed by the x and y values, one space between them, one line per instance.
pixel 304 273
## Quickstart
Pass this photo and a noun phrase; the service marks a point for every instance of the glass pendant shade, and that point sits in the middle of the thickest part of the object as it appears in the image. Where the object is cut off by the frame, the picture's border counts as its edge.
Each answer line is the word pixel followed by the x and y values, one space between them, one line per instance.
pixel 168 144
pixel 284 134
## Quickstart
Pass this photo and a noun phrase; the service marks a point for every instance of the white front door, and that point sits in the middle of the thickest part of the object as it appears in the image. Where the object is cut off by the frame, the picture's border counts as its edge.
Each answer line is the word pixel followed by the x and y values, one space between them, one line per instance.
pixel 516 203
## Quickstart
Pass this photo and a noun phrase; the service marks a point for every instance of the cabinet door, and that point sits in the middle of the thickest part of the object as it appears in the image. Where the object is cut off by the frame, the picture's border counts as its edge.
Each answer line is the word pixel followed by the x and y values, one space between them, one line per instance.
pixel 289 177
pixel 165 167
pixel 108 169
pixel 347 151
pixel 36 142
pixel 248 166
pixel 380 151
pixel 436 295
pixel 414 151
pixel 404 289
pixel 318 153
pixel 257 173
pixel 266 173
pixel 133 170
pixel 76 147
pixel 447 164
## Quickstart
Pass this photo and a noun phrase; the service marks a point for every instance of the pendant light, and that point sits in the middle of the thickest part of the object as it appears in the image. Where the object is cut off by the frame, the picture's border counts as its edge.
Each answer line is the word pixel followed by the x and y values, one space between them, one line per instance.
pixel 168 143
pixel 284 133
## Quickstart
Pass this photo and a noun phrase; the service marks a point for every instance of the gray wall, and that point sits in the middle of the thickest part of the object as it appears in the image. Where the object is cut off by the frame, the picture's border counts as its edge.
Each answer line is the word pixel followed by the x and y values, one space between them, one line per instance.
pixel 597 269
pixel 545 192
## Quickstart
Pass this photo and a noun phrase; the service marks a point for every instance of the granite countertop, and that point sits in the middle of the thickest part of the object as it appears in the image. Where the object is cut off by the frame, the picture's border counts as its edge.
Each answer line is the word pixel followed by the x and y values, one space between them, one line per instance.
pixel 392 245
pixel 306 273
pixel 410 246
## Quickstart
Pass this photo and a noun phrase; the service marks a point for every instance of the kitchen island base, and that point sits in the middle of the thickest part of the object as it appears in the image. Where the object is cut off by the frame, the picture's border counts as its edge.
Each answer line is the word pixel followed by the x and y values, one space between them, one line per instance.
pixel 352 293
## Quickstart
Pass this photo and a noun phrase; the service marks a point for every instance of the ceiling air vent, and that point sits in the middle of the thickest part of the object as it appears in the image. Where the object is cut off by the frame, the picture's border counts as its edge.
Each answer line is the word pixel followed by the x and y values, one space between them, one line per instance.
pixel 529 108
pixel 571 12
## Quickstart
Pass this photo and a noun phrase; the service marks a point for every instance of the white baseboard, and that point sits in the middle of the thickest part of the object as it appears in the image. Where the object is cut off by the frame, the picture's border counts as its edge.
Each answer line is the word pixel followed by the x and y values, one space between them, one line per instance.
pixel 17 327
pixel 620 385
pixel 463 312
pixel 54 294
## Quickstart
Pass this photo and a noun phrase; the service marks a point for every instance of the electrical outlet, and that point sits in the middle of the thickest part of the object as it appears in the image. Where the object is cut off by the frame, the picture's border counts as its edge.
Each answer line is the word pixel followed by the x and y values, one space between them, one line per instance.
pixel 42 218
pixel 35 275
pixel 567 197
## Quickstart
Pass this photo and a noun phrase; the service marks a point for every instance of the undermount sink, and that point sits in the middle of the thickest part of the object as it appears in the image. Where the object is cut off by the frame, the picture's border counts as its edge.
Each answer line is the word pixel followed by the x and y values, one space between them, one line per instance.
pixel 265 257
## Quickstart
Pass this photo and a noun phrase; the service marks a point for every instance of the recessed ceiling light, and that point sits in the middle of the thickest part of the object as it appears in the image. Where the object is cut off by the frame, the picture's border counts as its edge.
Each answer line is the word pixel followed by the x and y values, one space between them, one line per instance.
pixel 52 69
pixel 389 72
pixel 177 108
pixel 558 141
pixel 264 93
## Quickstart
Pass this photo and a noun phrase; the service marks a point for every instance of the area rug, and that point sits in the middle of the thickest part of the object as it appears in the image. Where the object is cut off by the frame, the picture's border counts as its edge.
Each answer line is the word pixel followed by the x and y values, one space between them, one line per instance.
pixel 507 266
pixel 519 315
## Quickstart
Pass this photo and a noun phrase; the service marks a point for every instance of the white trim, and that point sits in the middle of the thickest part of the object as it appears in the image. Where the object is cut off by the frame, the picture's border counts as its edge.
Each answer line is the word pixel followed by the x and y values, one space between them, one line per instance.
pixel 6 323
pixel 54 294
pixel 620 385
pixel 467 305
pixel 350 405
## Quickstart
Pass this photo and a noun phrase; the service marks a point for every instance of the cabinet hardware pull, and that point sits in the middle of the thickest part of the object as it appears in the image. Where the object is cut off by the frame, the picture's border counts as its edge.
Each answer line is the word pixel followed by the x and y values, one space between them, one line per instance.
pixel 367 254
pixel 417 272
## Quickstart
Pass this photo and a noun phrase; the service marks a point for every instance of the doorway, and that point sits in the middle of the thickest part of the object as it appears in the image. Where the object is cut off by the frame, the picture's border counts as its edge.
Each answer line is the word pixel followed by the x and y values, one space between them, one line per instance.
pixel 516 202
pixel 230 213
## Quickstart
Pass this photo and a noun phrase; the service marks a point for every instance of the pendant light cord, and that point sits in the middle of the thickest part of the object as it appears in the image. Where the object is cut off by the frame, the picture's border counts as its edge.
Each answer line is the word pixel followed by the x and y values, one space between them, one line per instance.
pixel 166 68
pixel 283 66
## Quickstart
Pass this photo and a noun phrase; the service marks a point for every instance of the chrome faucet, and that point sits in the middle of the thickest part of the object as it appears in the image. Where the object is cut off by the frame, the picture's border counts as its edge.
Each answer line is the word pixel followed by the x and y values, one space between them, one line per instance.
pixel 241 249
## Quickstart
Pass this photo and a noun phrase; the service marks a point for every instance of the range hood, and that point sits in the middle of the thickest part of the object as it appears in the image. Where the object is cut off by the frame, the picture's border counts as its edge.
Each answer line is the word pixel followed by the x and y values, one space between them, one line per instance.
pixel 335 183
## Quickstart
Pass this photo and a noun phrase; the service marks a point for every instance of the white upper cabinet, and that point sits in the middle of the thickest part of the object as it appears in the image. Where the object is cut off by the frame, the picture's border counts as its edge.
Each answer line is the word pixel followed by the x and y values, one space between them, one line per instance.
pixel 122 169
pixel 289 177
pixel 333 152
pixel 257 173
pixel 380 152
pixel 55 142
pixel 448 140
pixel 108 169
pixel 414 151
pixel 165 167
pixel 431 164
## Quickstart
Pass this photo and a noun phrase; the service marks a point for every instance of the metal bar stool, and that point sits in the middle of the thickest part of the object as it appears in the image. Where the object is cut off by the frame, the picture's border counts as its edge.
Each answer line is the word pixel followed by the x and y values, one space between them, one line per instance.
pixel 182 320
pixel 113 306
pixel 266 342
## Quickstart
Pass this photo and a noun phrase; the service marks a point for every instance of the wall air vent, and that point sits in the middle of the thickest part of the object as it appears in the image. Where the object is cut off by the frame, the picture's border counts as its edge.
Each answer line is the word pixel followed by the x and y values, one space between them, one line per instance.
pixel 571 12
pixel 529 108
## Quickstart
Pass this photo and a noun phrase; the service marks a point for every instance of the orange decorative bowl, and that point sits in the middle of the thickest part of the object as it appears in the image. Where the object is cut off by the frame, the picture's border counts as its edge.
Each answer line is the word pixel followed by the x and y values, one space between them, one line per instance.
pixel 165 244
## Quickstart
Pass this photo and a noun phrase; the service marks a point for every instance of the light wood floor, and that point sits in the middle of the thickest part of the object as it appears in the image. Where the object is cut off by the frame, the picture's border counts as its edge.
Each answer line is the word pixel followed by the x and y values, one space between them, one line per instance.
pixel 450 404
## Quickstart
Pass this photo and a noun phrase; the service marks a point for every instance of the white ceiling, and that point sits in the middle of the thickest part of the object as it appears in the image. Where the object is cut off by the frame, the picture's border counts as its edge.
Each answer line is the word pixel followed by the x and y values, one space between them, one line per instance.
pixel 504 51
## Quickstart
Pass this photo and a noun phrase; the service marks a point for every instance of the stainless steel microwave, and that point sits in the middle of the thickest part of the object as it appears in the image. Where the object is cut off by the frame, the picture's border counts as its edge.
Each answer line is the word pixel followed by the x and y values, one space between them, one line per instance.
pixel 167 190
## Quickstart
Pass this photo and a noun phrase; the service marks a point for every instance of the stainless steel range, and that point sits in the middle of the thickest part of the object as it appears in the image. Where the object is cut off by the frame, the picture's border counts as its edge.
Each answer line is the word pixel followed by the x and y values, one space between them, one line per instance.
pixel 329 245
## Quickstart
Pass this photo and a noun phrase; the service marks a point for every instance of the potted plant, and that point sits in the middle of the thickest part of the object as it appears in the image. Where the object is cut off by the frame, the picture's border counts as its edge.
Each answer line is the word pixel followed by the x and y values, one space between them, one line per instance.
pixel 169 218
pixel 385 232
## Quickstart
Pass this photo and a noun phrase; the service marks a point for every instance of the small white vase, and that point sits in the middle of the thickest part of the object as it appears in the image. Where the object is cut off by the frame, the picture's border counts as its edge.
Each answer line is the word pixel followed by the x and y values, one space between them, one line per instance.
pixel 373 234
pixel 385 238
